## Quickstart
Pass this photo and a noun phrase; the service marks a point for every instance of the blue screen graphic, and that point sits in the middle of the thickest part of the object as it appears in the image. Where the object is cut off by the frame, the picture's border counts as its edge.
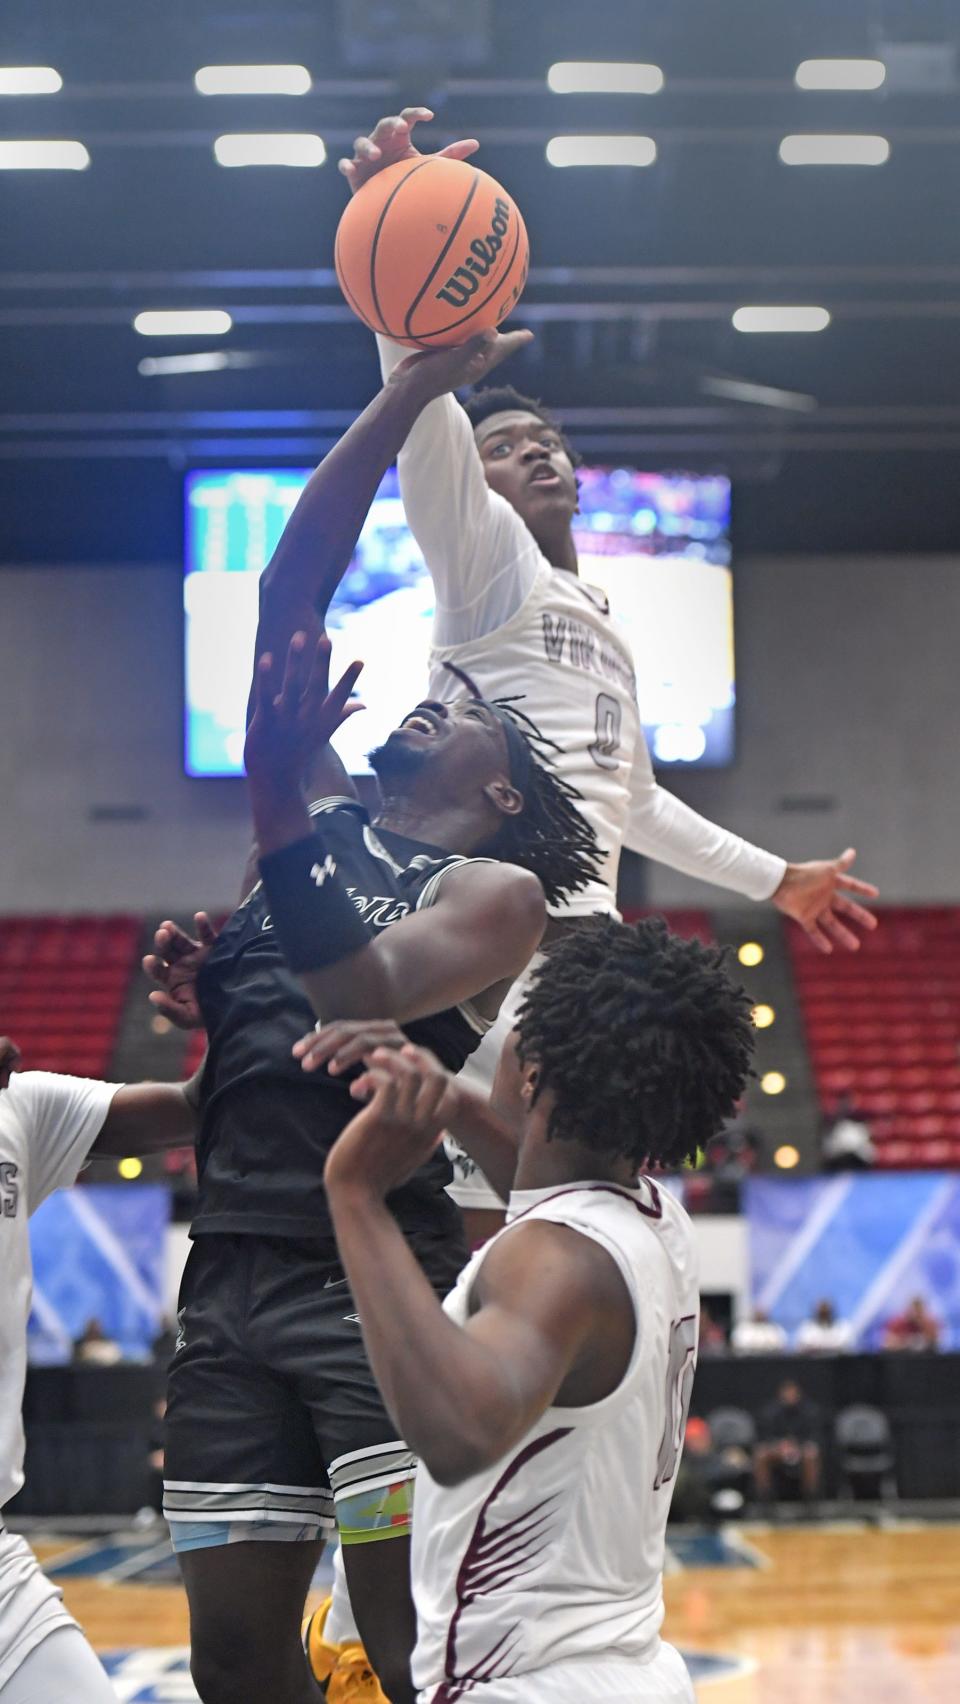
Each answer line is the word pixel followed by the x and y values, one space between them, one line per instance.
pixel 658 544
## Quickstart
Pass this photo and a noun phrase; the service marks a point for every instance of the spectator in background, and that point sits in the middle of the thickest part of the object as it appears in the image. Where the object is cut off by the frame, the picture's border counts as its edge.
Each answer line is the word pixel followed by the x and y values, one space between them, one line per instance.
pixel 713 1338
pixel 823 1333
pixel 758 1335
pixel 846 1143
pixel 94 1348
pixel 788 1452
pixel 915 1329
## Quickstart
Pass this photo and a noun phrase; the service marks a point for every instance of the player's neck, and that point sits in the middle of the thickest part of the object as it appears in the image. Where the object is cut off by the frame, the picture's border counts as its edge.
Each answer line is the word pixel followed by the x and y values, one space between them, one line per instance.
pixel 546 1164
pixel 559 549
pixel 447 829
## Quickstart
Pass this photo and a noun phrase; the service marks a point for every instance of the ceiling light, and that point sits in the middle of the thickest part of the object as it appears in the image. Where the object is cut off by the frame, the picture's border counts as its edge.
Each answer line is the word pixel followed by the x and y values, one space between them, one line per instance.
pixel 130 1168
pixel 35 156
pixel 156 366
pixel 604 77
pixel 781 318
pixel 183 322
pixel 750 953
pixel 252 80
pixel 765 396
pixel 29 80
pixel 834 150
pixel 840 74
pixel 601 151
pixel 286 148
pixel 773 1082
pixel 786 1157
pixel 763 1016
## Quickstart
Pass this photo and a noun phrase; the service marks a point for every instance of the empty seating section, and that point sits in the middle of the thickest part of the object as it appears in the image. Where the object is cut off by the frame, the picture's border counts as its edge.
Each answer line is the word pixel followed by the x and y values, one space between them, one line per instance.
pixel 63 982
pixel 883 1027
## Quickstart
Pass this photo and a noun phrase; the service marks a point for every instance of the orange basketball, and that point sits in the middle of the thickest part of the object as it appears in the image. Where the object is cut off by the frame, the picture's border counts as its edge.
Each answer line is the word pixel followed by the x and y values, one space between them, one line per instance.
pixel 431 251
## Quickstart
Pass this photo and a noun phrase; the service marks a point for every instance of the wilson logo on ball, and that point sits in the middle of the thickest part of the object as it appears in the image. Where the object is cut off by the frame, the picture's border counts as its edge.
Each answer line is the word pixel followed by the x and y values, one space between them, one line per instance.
pixel 465 281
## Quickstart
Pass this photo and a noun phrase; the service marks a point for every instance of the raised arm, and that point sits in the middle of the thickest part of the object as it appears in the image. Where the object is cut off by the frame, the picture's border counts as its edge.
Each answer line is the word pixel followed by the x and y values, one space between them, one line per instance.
pixel 481 556
pixel 817 895
pixel 482 929
pixel 487 1129
pixel 462 1397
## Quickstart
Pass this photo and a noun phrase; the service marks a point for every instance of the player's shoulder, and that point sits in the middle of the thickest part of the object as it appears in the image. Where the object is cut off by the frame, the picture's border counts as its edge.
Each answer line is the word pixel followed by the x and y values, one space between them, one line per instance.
pixel 33 1096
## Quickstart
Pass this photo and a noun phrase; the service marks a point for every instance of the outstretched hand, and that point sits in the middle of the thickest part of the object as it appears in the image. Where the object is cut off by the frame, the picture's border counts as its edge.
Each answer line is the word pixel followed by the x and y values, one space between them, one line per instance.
pixel 391 141
pixel 434 372
pixel 290 725
pixel 9 1060
pixel 816 895
pixel 399 1128
pixel 175 964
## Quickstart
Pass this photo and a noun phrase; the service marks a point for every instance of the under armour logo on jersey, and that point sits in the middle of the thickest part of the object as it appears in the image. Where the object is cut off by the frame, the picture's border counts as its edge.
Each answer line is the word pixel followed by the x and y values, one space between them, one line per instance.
pixel 320 872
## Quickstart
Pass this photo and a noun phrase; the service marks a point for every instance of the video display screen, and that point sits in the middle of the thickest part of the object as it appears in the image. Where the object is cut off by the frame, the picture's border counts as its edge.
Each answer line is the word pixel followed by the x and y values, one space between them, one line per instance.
pixel 657 543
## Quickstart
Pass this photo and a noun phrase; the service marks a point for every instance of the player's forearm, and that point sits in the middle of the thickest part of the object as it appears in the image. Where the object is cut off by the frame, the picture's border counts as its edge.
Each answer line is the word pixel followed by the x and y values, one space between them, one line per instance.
pixel 664 828
pixel 490 1139
pixel 444 1390
pixel 148 1118
pixel 321 534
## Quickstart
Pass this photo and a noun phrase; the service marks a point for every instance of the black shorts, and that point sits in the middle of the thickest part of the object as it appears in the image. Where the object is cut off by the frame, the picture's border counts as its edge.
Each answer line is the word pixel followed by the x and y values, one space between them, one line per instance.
pixel 275 1425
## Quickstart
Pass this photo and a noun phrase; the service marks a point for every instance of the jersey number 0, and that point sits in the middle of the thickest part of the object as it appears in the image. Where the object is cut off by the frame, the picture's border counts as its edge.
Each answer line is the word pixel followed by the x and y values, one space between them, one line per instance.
pixel 606 739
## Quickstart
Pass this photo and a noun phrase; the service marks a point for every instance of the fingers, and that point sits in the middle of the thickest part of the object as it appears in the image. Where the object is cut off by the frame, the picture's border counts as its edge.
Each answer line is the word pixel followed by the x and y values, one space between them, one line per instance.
pixel 345 1044
pixel 857 913
pixel 156 968
pixel 206 932
pixel 839 933
pixel 294 672
pixel 503 345
pixel 853 885
pixel 173 943
pixel 169 1008
pixel 459 150
pixel 335 707
pixel 815 934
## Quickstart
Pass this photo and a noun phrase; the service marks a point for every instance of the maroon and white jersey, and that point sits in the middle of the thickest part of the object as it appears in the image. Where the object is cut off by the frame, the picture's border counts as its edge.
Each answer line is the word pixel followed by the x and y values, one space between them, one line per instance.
pixel 556 1552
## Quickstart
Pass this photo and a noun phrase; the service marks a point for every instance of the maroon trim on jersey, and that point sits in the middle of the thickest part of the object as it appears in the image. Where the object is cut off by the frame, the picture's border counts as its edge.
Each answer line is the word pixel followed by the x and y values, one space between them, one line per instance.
pixel 491 1560
pixel 654 1212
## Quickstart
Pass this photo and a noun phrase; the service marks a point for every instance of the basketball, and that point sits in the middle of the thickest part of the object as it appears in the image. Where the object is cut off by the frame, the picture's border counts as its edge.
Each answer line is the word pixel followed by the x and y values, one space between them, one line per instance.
pixel 431 251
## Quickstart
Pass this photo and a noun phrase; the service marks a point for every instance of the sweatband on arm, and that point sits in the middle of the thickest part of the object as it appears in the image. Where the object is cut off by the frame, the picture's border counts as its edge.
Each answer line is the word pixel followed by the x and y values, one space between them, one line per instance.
pixel 315 920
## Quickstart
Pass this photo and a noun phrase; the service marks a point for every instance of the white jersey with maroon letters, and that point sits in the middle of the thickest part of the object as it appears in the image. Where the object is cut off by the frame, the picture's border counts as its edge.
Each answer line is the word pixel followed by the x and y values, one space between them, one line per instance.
pixel 554 1555
pixel 48 1124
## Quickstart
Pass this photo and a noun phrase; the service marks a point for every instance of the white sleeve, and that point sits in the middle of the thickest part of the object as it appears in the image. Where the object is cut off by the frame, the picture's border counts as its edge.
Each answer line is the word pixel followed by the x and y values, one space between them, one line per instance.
pixel 62 1117
pixel 482 558
pixel 661 826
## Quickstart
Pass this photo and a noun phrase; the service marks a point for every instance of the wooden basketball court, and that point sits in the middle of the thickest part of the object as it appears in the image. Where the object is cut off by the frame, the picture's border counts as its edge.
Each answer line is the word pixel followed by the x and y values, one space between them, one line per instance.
pixel 815 1615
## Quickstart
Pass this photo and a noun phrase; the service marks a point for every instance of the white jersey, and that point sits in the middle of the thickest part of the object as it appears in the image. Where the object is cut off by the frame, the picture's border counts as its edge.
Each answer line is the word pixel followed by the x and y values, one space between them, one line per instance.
pixel 556 1552
pixel 48 1124
pixel 526 629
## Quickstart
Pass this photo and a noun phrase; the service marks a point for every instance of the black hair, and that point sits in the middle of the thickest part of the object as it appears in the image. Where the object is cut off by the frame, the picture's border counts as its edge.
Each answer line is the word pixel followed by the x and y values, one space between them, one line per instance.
pixel 549 836
pixel 502 399
pixel 644 1040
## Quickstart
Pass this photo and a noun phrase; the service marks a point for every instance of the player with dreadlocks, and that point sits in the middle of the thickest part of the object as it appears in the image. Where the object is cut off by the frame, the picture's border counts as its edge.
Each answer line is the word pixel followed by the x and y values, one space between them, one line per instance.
pixel 425 915
pixel 547 1396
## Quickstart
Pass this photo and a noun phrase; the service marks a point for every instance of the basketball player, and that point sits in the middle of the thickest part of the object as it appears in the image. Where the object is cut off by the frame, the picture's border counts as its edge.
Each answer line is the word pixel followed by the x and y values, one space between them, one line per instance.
pixel 49 1125
pixel 273 1417
pixel 490 493
pixel 547 1397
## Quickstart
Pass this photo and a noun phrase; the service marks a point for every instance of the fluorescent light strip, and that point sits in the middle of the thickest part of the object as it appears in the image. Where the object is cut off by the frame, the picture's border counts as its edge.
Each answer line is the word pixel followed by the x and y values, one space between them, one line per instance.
pixel 157 366
pixel 262 149
pixel 183 322
pixel 781 318
pixel 763 396
pixel 29 80
pixel 604 77
pixel 834 150
pixel 253 80
pixel 601 151
pixel 854 74
pixel 34 156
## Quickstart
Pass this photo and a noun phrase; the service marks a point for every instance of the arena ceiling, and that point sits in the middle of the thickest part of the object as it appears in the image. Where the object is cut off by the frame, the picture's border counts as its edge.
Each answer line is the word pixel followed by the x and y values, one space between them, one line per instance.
pixel 636 272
